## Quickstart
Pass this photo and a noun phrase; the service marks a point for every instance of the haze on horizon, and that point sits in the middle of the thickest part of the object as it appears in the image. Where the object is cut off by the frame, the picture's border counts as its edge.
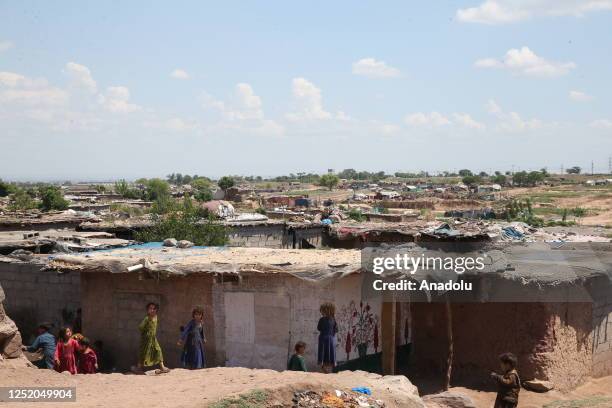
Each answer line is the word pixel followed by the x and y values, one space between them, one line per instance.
pixel 110 90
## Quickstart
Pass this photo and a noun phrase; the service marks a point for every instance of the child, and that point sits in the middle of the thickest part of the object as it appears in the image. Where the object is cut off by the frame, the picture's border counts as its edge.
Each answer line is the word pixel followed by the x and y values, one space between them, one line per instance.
pixel 508 383
pixel 193 339
pixel 297 362
pixel 150 352
pixel 65 351
pixel 328 329
pixel 45 342
pixel 88 361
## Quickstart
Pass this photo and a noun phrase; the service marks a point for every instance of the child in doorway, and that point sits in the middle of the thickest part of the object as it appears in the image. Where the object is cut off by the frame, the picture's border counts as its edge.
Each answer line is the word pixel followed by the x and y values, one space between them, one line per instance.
pixel 297 362
pixel 66 351
pixel 192 340
pixel 150 352
pixel 508 383
pixel 88 360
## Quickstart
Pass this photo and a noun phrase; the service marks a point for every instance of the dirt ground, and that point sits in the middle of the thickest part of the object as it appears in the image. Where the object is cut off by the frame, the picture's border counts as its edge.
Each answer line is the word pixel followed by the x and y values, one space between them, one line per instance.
pixel 596 393
pixel 190 389
pixel 597 200
pixel 187 389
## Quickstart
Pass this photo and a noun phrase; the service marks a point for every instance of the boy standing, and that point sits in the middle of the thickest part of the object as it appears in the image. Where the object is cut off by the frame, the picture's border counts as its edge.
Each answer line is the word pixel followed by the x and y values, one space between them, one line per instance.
pixel 508 383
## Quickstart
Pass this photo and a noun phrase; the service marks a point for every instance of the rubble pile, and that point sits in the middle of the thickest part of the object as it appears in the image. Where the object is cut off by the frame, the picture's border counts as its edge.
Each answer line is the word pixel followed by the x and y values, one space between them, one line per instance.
pixel 337 399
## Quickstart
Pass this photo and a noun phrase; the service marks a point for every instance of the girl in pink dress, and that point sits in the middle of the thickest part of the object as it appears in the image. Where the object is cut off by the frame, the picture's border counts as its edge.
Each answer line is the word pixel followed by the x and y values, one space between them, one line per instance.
pixel 65 351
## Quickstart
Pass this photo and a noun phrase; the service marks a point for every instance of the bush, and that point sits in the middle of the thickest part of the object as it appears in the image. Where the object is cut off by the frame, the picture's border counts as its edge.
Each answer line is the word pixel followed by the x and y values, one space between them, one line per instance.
pixel 356 214
pixel 21 200
pixel 52 198
pixel 123 188
pixel 189 223
pixel 4 188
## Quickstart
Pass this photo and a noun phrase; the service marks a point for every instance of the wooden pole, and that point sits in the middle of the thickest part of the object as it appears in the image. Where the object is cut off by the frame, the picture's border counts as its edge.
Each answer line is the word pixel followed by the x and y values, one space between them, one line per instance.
pixel 451 351
pixel 388 337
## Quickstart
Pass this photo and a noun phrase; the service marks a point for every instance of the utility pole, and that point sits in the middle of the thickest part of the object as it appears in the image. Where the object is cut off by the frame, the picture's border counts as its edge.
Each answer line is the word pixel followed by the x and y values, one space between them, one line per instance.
pixel 561 168
pixel 610 165
pixel 592 167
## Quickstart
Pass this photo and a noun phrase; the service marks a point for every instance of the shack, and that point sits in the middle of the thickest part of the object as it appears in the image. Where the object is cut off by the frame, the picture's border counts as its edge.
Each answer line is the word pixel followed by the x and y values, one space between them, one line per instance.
pixel 550 304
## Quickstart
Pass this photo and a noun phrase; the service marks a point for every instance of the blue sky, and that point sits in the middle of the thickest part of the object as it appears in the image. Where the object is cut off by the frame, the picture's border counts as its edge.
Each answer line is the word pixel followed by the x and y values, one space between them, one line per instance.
pixel 109 89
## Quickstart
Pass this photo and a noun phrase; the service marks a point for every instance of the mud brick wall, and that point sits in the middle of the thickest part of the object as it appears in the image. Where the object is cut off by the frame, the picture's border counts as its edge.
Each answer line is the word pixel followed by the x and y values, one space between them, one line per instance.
pixel 114 305
pixel 34 296
pixel 601 291
pixel 551 341
pixel 278 311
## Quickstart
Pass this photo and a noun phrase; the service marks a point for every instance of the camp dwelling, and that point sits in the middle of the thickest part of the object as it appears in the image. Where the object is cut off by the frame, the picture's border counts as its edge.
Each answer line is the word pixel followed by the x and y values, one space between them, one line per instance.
pixel 551 305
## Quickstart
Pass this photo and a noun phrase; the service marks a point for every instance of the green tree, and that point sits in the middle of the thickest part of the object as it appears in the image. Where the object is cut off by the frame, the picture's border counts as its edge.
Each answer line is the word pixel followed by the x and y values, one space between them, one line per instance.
pixel 499 179
pixel 471 180
pixel 465 172
pixel 226 182
pixel 201 189
pixel 574 170
pixel 329 181
pixel 156 189
pixel 51 198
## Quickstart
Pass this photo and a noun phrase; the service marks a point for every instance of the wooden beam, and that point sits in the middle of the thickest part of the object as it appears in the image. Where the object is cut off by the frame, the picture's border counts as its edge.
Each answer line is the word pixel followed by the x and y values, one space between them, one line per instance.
pixel 388 328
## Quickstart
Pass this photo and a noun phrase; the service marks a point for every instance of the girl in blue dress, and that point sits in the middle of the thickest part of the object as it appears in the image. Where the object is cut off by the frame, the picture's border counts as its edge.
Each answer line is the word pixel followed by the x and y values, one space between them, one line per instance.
pixel 328 329
pixel 193 339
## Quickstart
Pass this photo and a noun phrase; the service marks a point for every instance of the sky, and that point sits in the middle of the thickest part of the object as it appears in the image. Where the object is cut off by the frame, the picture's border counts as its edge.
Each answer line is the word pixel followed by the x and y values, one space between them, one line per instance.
pixel 107 90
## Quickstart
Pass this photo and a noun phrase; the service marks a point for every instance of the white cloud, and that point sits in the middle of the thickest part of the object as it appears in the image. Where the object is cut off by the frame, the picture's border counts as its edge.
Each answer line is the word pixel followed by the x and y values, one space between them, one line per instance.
pixel 247 104
pixel 523 61
pixel 369 67
pixel 308 100
pixel 579 96
pixel 437 119
pixel 512 11
pixel 5 45
pixel 11 79
pixel 179 74
pixel 80 76
pixel 467 121
pixel 433 119
pixel 243 113
pixel 601 124
pixel 511 121
pixel 116 100
pixel 244 104
pixel 19 89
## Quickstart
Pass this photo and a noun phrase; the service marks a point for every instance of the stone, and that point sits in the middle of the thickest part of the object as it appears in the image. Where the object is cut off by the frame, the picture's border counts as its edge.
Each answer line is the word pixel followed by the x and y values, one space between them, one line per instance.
pixel 170 242
pixel 538 385
pixel 184 244
pixel 448 399
pixel 10 338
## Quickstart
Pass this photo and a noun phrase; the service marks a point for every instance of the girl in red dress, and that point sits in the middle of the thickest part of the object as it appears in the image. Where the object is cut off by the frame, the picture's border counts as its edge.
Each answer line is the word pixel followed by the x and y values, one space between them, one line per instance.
pixel 88 361
pixel 65 351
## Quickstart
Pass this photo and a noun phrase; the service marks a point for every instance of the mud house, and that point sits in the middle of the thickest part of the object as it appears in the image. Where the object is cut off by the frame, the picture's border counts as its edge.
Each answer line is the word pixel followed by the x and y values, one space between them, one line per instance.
pixel 258 302
pixel 553 307
pixel 550 304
